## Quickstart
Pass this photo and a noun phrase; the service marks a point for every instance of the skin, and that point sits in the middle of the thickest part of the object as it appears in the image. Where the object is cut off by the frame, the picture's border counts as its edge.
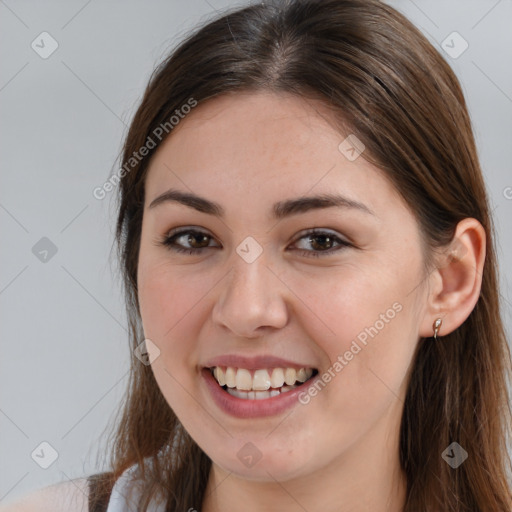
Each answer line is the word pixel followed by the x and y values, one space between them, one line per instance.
pixel 246 152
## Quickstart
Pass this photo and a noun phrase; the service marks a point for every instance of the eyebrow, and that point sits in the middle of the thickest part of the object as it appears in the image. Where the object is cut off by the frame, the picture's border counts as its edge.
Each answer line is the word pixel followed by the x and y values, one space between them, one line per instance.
pixel 280 209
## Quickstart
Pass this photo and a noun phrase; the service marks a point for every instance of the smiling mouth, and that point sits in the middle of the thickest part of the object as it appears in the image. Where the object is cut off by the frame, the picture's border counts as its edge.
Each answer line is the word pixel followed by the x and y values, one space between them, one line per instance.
pixel 260 384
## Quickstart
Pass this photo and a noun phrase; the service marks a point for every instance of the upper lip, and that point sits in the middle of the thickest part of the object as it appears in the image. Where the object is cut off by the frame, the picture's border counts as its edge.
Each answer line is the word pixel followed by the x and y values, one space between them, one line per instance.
pixel 254 362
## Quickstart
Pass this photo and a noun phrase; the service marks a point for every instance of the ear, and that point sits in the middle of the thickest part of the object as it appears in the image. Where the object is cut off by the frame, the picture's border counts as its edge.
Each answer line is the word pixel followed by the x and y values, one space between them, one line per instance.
pixel 454 286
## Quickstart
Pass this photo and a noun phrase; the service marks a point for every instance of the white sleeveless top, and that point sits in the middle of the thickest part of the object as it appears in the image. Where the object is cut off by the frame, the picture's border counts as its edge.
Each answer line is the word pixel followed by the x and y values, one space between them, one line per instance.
pixel 126 492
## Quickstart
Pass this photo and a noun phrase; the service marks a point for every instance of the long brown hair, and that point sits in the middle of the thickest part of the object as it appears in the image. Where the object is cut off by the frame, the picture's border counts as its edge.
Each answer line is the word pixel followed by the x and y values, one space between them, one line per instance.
pixel 385 83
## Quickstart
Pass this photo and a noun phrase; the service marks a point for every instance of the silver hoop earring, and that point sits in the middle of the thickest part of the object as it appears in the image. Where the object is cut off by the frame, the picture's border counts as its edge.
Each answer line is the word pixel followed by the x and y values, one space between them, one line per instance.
pixel 436 326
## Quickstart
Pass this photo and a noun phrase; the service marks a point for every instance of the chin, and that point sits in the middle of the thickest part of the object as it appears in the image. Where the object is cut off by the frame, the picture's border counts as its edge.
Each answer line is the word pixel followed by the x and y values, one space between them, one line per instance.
pixel 267 461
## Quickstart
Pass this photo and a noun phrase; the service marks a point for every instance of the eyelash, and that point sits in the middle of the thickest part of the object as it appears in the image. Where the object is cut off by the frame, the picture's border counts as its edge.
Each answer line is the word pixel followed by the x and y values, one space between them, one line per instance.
pixel 168 242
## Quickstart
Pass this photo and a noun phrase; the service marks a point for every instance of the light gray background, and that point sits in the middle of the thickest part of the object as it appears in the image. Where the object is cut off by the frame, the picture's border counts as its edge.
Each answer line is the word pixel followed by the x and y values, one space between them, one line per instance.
pixel 64 352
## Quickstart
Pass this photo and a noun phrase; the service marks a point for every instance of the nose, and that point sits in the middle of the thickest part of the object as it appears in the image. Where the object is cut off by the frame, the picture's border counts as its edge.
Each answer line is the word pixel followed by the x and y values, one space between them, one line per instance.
pixel 252 300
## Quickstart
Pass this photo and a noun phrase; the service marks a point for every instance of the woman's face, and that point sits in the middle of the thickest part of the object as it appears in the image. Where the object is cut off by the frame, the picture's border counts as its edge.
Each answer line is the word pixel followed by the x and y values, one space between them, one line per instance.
pixel 262 293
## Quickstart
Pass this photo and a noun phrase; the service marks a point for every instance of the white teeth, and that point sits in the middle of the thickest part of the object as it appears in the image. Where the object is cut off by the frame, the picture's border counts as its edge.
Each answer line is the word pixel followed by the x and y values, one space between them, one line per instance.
pixel 219 375
pixel 301 375
pixel 277 379
pixel 290 376
pixel 241 379
pixel 259 395
pixel 261 380
pixel 229 376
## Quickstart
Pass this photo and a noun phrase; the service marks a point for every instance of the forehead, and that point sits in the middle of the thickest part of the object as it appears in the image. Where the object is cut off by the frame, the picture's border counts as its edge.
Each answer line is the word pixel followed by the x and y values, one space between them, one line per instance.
pixel 246 147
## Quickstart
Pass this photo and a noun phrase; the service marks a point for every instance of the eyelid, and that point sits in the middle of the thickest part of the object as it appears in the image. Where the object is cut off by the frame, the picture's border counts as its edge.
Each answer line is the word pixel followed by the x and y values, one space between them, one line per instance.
pixel 183 230
pixel 301 234
pixel 321 231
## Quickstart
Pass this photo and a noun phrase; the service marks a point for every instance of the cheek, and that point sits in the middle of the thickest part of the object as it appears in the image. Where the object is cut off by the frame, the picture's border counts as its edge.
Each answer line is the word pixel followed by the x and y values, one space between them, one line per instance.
pixel 169 307
pixel 346 303
pixel 168 299
pixel 369 338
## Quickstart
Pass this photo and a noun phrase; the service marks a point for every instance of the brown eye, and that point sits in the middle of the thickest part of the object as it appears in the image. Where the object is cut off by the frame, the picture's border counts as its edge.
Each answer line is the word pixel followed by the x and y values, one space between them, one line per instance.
pixel 197 241
pixel 322 243
pixel 191 241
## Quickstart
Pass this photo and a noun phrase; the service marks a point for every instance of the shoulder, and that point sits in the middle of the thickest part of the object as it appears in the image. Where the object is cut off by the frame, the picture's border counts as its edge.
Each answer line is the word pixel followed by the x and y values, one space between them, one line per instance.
pixel 68 496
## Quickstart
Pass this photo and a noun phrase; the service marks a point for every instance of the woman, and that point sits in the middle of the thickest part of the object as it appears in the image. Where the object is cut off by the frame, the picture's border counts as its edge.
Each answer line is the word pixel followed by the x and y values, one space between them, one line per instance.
pixel 308 254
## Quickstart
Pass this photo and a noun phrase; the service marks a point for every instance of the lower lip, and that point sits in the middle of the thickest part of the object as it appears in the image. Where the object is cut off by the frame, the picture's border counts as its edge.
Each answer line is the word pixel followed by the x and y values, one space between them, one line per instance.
pixel 245 408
